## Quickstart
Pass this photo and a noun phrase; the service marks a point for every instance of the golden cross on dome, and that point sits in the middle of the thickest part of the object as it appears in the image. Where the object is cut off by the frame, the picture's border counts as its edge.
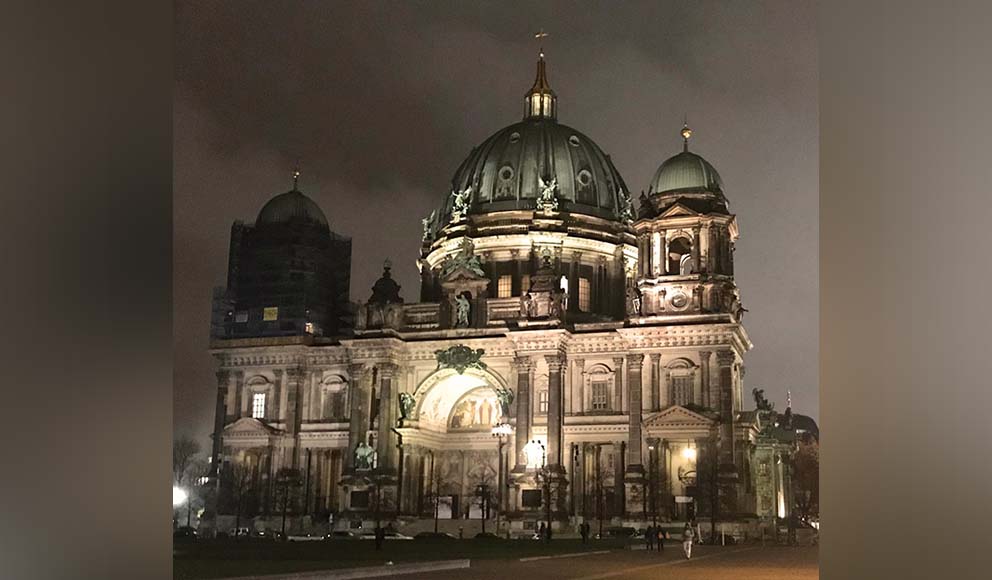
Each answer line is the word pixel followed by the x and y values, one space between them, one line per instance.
pixel 540 35
pixel 296 175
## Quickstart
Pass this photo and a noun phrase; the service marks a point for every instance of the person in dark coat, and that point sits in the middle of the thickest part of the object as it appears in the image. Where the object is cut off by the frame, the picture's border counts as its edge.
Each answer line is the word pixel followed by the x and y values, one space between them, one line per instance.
pixel 661 538
pixel 649 537
pixel 380 536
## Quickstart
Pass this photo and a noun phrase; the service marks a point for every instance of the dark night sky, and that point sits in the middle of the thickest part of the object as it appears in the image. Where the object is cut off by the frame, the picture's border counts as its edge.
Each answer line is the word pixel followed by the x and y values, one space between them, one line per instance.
pixel 383 100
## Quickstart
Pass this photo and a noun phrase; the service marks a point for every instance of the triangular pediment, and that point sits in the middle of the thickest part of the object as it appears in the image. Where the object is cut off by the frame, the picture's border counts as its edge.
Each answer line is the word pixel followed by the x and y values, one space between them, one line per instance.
pixel 678 210
pixel 678 416
pixel 249 426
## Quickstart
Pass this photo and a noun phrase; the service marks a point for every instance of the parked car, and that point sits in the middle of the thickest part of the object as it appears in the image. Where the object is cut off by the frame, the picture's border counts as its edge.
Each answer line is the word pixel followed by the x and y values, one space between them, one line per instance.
pixel 486 536
pixel 240 532
pixel 184 533
pixel 434 536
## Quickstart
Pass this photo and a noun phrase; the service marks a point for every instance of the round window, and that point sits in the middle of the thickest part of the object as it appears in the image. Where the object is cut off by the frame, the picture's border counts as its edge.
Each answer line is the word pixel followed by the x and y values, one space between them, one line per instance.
pixel 680 300
pixel 506 173
pixel 585 178
pixel 514 137
pixel 573 141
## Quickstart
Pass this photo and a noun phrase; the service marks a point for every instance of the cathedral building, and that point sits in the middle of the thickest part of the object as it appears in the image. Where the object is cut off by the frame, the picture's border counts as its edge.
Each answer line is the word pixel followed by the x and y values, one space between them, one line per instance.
pixel 569 359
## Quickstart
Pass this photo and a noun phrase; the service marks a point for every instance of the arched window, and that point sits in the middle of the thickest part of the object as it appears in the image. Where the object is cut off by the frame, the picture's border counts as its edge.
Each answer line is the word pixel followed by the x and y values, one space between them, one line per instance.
pixel 681 378
pixel 680 256
pixel 599 389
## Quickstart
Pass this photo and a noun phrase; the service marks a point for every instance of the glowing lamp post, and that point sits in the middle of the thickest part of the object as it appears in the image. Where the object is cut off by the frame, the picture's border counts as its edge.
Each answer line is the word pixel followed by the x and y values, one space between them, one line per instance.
pixel 179 497
pixel 500 432
pixel 537 457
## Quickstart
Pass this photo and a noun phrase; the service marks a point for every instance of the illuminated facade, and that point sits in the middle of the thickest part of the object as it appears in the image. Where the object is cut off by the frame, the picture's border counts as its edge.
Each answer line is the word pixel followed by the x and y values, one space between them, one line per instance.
pixel 608 346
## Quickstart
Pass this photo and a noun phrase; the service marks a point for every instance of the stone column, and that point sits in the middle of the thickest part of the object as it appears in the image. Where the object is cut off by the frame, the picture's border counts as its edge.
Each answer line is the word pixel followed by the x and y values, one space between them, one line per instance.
pixel 573 282
pixel 618 384
pixel 579 394
pixel 634 367
pixel 618 484
pixel 523 365
pixel 356 426
pixel 655 381
pixel 220 418
pixel 704 357
pixel 239 390
pixel 555 364
pixel 386 446
pixel 294 409
pixel 725 361
pixel 695 249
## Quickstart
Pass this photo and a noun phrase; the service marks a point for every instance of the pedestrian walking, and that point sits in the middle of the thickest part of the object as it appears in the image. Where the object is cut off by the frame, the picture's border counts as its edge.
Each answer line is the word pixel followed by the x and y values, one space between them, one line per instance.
pixel 649 537
pixel 661 539
pixel 584 532
pixel 687 536
pixel 543 531
pixel 380 536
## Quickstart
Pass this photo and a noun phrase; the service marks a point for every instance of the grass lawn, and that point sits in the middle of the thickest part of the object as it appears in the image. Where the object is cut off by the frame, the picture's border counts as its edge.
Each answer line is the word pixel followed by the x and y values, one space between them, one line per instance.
pixel 228 558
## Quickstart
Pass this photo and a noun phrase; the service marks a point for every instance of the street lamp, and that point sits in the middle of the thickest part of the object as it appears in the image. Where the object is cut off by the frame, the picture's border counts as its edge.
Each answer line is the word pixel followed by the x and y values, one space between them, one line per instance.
pixel 500 432
pixel 179 497
pixel 542 473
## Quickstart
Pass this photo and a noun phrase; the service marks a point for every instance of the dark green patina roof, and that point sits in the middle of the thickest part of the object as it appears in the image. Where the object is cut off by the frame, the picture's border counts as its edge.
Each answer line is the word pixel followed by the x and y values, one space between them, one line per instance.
pixel 291 207
pixel 686 172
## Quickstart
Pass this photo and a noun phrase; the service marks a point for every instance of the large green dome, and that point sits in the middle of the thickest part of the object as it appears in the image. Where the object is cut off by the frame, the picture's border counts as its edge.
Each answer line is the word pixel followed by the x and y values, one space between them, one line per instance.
pixel 505 172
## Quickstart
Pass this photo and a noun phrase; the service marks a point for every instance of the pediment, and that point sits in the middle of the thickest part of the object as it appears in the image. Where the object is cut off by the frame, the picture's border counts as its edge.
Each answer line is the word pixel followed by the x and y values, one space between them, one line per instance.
pixel 247 426
pixel 678 416
pixel 679 210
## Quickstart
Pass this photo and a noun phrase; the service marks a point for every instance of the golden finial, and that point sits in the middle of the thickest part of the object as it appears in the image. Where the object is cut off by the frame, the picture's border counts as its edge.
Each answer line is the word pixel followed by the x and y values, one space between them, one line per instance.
pixel 686 133
pixel 296 175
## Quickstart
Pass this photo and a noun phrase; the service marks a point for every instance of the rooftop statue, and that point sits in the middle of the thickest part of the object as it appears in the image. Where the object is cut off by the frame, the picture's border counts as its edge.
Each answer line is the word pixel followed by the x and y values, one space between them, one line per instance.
pixel 459 205
pixel 760 402
pixel 428 223
pixel 547 200
pixel 465 258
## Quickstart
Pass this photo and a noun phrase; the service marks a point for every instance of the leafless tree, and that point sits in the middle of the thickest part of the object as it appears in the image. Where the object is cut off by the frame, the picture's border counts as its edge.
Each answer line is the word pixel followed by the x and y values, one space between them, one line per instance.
pixel 184 454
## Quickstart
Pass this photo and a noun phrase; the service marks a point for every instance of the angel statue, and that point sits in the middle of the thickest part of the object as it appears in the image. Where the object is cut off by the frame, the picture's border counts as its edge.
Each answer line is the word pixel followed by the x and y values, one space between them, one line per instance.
pixel 459 205
pixel 427 222
pixel 546 200
pixel 364 456
pixel 627 211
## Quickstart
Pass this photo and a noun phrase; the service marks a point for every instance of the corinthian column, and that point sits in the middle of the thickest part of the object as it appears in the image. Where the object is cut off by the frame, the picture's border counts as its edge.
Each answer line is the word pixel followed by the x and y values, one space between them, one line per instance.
pixel 220 417
pixel 387 419
pixel 522 364
pixel 634 365
pixel 356 425
pixel 555 363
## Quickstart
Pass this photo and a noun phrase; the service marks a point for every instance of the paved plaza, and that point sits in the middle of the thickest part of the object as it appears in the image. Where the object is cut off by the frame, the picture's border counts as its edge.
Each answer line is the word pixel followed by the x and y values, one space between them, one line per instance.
pixel 707 563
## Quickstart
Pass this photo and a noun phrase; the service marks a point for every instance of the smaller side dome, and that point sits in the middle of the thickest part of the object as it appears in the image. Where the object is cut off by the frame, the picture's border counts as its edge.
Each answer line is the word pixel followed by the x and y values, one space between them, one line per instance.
pixel 686 172
pixel 291 207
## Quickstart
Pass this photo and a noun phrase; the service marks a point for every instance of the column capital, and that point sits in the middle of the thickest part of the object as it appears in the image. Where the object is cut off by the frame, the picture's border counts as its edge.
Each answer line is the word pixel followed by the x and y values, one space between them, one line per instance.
pixel 293 373
pixel 705 354
pixel 387 370
pixel 239 374
pixel 356 369
pixel 223 375
pixel 634 361
pixel 580 363
pixel 555 361
pixel 655 357
pixel 523 363
pixel 725 358
pixel 618 360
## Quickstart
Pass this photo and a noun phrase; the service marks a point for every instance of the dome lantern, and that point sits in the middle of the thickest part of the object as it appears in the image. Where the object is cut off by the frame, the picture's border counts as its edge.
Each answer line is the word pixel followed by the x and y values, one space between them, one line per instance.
pixel 542 103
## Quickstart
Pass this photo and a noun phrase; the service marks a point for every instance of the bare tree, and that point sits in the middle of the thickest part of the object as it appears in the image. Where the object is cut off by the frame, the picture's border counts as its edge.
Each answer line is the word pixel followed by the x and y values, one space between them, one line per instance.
pixel 806 478
pixel 239 481
pixel 184 453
